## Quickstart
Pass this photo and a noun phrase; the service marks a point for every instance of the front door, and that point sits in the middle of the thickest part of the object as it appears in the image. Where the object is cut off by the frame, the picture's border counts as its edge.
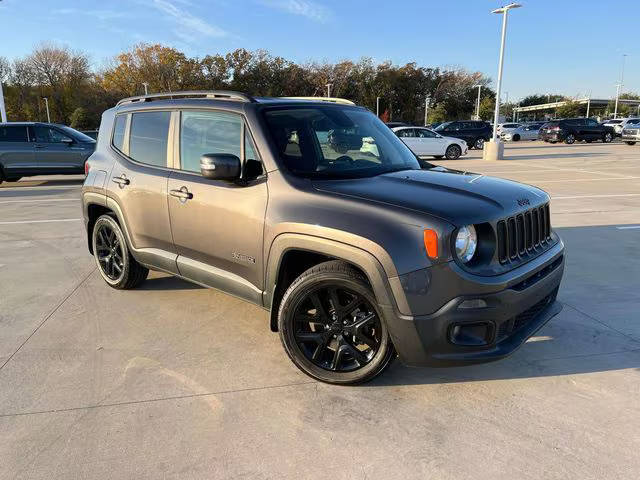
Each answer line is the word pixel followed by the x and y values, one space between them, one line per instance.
pixel 430 142
pixel 56 152
pixel 217 225
pixel 411 140
pixel 138 184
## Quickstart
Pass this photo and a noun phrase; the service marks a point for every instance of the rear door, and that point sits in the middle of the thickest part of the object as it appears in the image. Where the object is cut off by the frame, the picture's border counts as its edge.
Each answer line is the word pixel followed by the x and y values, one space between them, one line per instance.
pixel 138 182
pixel 57 152
pixel 16 152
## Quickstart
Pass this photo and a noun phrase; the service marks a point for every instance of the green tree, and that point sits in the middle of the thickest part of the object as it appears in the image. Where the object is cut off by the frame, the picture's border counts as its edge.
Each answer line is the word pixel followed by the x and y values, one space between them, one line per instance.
pixel 570 109
pixel 79 119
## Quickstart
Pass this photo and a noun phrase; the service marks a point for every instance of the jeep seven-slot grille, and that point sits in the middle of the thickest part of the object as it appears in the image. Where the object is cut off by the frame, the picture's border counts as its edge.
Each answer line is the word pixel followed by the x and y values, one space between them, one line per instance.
pixel 523 234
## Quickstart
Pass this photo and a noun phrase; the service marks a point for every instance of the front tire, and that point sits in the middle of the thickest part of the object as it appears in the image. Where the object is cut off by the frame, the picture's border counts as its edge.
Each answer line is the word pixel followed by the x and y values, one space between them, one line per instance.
pixel 516 138
pixel 630 143
pixel 453 152
pixel 331 326
pixel 113 258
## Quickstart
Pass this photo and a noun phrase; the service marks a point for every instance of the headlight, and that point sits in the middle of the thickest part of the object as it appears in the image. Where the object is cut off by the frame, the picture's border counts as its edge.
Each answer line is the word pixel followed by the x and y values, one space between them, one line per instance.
pixel 466 243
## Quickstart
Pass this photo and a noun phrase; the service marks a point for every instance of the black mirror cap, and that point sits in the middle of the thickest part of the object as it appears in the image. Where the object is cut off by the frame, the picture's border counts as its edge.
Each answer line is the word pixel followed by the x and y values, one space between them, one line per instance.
pixel 220 166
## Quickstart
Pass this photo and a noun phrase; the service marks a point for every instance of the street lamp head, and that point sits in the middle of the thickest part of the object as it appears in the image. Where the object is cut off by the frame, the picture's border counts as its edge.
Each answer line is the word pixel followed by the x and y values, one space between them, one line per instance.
pixel 506 8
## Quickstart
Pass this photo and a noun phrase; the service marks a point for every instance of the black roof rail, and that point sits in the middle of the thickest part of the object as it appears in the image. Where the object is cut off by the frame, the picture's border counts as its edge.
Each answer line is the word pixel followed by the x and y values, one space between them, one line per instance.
pixel 217 94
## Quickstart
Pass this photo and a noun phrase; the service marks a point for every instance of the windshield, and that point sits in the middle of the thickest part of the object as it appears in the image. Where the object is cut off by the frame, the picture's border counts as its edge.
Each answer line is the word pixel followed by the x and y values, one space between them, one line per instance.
pixel 614 122
pixel 442 126
pixel 328 141
pixel 81 137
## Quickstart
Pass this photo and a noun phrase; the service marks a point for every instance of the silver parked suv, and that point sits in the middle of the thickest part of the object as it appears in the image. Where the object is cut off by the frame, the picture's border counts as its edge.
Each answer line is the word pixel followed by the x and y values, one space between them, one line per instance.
pixel 317 212
pixel 32 148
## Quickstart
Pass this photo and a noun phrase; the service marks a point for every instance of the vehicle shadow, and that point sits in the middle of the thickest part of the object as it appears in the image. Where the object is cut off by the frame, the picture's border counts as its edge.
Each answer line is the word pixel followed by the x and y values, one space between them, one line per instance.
pixel 600 293
pixel 79 180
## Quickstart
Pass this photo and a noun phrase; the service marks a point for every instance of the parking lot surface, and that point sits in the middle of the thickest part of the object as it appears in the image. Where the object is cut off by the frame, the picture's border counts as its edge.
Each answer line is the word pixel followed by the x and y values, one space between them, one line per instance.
pixel 175 381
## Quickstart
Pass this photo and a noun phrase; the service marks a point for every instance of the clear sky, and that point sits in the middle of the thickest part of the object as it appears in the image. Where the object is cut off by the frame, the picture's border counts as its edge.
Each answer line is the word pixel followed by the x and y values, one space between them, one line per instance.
pixel 570 47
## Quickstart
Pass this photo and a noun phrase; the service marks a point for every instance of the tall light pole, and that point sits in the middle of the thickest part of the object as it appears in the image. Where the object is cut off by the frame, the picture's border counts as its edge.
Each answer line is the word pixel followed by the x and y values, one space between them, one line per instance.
pixel 378 107
pixel 46 102
pixel 145 85
pixel 615 112
pixel 3 112
pixel 495 150
pixel 496 115
pixel 329 85
pixel 426 109
pixel 479 87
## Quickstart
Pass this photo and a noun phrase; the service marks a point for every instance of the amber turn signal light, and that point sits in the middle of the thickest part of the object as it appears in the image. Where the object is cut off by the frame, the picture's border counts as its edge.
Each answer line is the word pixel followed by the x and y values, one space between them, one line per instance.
pixel 431 243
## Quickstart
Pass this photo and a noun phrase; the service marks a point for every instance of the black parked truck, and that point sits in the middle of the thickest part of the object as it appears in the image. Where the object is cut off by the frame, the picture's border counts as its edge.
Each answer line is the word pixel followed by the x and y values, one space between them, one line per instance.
pixel 571 130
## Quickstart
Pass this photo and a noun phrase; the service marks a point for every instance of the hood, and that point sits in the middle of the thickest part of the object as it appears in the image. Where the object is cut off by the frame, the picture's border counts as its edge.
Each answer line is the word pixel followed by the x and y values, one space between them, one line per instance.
pixel 460 198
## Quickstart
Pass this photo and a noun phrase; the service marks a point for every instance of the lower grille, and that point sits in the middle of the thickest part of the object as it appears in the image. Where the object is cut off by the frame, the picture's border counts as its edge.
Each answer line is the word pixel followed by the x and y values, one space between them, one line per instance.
pixel 523 234
pixel 521 320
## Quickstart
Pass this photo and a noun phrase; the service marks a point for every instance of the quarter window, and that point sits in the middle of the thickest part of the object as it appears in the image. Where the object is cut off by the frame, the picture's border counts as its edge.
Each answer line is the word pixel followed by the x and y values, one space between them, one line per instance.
pixel 118 132
pixel 208 132
pixel 13 134
pixel 149 137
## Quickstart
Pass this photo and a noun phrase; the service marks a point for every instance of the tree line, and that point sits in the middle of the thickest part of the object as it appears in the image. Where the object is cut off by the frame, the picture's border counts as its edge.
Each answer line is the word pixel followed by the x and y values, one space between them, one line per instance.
pixel 77 94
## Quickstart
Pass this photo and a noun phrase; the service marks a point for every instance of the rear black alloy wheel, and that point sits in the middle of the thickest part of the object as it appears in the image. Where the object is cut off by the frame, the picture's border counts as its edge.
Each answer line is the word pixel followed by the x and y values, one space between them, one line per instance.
pixel 115 263
pixel 331 327
pixel 607 138
pixel 453 152
pixel 569 139
pixel 630 143
pixel 479 143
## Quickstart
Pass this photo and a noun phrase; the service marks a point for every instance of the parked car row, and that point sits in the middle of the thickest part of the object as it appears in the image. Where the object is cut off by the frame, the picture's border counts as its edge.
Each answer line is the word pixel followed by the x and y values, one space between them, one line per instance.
pixel 570 130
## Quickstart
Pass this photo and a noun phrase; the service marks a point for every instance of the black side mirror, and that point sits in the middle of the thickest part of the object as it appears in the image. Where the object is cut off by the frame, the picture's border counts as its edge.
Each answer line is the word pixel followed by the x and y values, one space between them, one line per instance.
pixel 67 141
pixel 220 166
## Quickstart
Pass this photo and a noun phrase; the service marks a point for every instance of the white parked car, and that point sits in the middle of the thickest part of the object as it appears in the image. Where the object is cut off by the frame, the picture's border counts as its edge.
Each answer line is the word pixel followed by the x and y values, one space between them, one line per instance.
pixel 504 128
pixel 523 132
pixel 631 132
pixel 427 143
pixel 618 124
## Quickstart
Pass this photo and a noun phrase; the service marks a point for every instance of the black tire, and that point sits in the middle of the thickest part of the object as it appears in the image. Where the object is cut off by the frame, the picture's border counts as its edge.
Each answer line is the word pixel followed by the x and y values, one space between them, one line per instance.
pixel 607 137
pixel 516 138
pixel 453 152
pixel 570 139
pixel 588 141
pixel 438 156
pixel 118 268
pixel 335 334
pixel 630 143
pixel 478 143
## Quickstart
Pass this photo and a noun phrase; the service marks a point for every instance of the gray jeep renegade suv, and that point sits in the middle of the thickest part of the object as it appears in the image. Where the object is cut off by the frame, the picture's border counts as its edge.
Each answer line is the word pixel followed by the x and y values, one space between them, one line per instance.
pixel 317 212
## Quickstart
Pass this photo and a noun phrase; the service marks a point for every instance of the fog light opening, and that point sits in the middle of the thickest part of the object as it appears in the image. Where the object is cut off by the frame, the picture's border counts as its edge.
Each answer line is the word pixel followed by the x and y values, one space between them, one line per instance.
pixel 472 334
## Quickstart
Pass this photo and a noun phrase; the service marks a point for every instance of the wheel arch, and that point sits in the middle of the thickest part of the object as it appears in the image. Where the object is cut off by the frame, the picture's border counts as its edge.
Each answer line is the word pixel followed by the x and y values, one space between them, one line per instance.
pixel 291 254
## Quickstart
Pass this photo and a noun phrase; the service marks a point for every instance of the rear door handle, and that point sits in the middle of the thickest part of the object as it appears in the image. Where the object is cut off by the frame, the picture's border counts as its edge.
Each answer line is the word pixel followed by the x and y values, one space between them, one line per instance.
pixel 41 146
pixel 121 180
pixel 183 194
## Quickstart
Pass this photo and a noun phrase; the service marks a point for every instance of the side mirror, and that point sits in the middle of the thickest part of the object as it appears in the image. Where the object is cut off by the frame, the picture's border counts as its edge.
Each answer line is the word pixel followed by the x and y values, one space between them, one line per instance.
pixel 67 141
pixel 220 166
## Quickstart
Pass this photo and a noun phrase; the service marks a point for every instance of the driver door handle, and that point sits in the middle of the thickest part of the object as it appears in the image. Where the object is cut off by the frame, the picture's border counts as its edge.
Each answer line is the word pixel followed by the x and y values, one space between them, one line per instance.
pixel 183 194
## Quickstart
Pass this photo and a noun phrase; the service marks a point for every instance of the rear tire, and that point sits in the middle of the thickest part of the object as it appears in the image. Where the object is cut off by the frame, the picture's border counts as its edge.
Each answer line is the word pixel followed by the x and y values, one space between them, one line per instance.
pixel 570 139
pixel 113 258
pixel 478 143
pixel 453 152
pixel 607 137
pixel 331 326
pixel 630 143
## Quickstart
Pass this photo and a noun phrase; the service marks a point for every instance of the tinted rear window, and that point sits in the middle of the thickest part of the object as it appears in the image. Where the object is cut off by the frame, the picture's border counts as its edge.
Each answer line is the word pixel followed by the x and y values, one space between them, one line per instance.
pixel 149 137
pixel 118 132
pixel 15 133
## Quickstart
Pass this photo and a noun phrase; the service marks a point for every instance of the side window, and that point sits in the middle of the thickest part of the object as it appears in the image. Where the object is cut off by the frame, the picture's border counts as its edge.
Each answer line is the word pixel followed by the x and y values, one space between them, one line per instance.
pixel 118 132
pixel 149 137
pixel 50 135
pixel 13 134
pixel 406 133
pixel 423 133
pixel 208 132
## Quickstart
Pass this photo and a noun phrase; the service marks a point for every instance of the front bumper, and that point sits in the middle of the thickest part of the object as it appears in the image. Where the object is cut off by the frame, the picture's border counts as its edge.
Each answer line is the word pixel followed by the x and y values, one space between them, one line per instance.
pixel 518 304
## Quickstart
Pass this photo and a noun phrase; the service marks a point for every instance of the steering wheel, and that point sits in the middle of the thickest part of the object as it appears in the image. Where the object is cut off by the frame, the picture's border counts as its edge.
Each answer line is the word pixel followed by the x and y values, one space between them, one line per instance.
pixel 343 158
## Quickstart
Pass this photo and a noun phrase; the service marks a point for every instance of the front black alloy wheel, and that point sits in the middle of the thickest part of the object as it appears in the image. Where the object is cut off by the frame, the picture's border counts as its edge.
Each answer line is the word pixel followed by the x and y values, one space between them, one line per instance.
pixel 331 327
pixel 115 263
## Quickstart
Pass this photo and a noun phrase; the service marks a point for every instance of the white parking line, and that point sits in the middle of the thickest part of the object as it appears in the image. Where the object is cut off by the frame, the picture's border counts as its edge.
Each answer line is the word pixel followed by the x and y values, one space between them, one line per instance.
pixel 632 227
pixel 598 196
pixel 42 200
pixel 41 221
